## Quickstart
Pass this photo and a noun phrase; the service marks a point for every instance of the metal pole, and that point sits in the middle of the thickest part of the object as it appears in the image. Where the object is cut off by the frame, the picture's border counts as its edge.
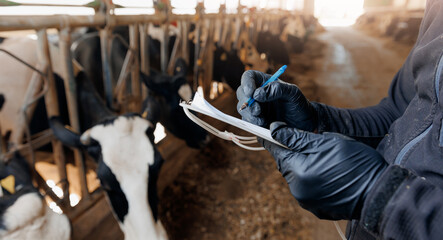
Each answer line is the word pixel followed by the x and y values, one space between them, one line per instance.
pixel 107 74
pixel 52 110
pixel 120 88
pixel 197 60
pixel 144 49
pixel 33 89
pixel 71 98
pixel 238 30
pixel 10 23
pixel 144 55
pixel 135 73
pixel 185 41
pixel 209 56
pixel 164 48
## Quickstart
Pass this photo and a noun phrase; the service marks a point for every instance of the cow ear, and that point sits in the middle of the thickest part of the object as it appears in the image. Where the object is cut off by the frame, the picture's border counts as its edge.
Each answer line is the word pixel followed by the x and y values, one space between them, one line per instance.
pixel 153 83
pixel 149 80
pixel 66 136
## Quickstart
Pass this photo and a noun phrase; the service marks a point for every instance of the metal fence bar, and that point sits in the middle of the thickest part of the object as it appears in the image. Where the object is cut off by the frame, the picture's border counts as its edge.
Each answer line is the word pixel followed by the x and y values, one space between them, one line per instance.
pixel 107 74
pixel 209 56
pixel 135 73
pixel 144 49
pixel 33 89
pixel 197 60
pixel 164 54
pixel 144 56
pixel 71 99
pixel 52 109
pixel 185 41
pixel 10 23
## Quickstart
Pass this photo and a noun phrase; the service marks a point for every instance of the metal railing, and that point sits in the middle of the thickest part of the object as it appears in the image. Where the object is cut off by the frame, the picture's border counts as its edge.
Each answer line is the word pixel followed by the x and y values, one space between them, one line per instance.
pixel 137 55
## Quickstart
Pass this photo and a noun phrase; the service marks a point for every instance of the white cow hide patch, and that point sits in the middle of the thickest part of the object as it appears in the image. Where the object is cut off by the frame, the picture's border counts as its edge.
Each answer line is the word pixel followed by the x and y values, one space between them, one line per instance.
pixel 30 218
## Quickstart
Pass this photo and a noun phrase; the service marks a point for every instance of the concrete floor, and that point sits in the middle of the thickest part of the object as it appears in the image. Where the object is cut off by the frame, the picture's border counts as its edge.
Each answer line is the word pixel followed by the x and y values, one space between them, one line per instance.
pixel 357 69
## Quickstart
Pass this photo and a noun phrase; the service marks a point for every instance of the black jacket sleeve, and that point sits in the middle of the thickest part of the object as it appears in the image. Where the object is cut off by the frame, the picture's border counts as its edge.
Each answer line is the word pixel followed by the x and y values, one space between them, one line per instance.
pixel 403 206
pixel 370 124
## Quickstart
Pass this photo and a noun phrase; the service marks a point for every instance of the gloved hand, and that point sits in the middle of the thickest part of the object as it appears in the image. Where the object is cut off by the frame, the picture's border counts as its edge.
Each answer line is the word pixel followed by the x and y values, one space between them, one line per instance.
pixel 277 101
pixel 329 174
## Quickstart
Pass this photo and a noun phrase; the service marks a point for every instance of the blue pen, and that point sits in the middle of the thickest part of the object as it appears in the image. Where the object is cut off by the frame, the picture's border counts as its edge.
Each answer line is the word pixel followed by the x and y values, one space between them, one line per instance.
pixel 274 77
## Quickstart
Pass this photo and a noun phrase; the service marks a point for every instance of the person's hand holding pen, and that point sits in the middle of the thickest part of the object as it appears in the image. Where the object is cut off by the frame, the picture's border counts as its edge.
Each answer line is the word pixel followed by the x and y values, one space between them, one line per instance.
pixel 318 167
pixel 276 101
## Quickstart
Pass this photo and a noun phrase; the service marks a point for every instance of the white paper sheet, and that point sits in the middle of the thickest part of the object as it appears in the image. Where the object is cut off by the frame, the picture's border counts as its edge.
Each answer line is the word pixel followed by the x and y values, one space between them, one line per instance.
pixel 199 104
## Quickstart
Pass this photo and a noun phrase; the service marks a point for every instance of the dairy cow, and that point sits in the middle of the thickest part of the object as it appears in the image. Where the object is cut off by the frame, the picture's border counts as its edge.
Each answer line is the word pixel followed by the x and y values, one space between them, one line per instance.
pixel 128 167
pixel 128 161
pixel 23 210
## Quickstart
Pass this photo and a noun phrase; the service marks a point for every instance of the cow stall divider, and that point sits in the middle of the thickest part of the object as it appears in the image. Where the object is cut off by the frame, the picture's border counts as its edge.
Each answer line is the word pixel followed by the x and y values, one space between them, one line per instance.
pixel 208 27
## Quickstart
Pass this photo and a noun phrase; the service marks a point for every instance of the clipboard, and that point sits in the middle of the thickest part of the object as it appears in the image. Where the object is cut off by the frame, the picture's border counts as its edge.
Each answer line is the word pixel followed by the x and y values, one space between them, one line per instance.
pixel 199 104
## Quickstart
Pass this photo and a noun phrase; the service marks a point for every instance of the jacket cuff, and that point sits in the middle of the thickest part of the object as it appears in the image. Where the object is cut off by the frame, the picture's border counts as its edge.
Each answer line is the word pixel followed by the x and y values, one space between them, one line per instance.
pixel 322 117
pixel 380 195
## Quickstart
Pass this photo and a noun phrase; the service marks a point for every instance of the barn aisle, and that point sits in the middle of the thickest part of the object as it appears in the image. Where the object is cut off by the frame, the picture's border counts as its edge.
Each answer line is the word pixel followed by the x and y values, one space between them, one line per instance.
pixel 357 68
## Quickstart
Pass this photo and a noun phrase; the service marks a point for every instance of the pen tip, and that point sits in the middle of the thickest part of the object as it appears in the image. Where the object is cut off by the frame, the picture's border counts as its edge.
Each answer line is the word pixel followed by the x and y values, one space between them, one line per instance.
pixel 243 106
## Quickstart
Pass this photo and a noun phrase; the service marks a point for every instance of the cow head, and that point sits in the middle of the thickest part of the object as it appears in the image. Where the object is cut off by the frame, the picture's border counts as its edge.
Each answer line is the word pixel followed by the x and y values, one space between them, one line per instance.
pixel 23 211
pixel 128 167
pixel 162 105
pixel 227 67
pixel 275 50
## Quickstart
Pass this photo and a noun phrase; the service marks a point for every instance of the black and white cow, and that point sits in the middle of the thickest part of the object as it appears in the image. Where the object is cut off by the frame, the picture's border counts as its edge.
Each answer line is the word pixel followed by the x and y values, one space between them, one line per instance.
pixel 23 210
pixel 227 67
pixel 128 167
pixel 128 161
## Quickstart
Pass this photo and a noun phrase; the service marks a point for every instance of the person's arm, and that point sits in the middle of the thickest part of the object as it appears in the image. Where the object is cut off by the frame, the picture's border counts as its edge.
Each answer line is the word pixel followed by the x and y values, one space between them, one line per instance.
pixel 280 101
pixel 403 206
pixel 370 123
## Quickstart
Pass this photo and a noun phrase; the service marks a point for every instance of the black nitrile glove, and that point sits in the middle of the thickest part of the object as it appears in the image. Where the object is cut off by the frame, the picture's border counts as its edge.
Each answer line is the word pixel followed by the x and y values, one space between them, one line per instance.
pixel 329 174
pixel 277 101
